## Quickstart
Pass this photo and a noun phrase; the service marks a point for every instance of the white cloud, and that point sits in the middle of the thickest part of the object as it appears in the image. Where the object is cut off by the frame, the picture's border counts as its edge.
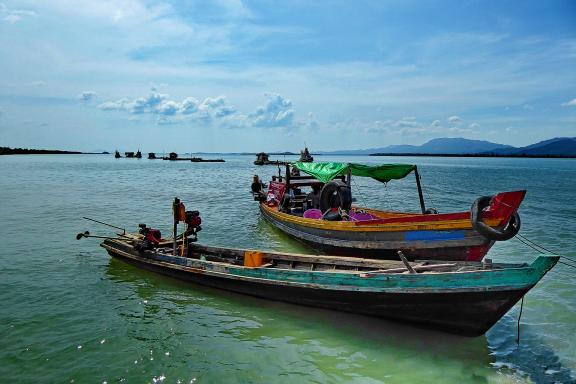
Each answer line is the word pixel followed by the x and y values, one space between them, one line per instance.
pixel 13 16
pixel 454 119
pixel 277 112
pixel 411 126
pixel 571 103
pixel 473 126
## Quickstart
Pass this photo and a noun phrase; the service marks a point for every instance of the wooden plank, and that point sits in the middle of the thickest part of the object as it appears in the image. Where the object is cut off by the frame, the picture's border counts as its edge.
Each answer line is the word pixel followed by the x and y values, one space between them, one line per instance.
pixel 318 259
pixel 418 268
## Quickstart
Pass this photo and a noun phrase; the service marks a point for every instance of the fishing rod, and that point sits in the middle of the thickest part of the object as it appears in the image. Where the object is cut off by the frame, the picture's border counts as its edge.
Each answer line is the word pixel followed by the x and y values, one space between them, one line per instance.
pixel 109 225
pixel 87 234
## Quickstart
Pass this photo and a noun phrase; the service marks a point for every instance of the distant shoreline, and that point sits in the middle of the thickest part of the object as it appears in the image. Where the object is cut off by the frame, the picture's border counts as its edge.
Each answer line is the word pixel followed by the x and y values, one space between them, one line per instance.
pixel 25 151
pixel 521 155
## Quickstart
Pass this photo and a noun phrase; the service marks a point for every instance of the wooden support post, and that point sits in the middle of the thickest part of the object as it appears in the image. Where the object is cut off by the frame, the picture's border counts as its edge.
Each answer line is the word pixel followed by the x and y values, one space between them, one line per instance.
pixel 175 209
pixel 287 177
pixel 420 196
pixel 349 179
pixel 406 263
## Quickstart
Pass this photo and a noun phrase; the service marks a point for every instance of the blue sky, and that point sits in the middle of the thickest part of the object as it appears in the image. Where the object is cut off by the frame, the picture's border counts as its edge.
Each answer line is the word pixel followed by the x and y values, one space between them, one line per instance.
pixel 236 76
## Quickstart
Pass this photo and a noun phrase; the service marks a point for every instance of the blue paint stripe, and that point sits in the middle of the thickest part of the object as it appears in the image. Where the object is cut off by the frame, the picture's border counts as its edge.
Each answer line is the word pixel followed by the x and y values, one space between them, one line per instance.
pixel 433 235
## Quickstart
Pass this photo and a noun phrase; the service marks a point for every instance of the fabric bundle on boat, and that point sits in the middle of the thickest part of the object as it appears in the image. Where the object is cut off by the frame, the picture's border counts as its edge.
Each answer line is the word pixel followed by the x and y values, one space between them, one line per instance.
pixel 328 171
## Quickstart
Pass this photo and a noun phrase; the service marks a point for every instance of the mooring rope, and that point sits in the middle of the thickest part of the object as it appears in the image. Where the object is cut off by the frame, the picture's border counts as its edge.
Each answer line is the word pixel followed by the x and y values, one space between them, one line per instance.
pixel 425 189
pixel 363 201
pixel 519 316
pixel 538 248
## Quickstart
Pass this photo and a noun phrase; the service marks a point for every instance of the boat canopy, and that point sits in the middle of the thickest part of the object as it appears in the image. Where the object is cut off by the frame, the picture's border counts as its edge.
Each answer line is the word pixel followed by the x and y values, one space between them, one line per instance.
pixel 329 170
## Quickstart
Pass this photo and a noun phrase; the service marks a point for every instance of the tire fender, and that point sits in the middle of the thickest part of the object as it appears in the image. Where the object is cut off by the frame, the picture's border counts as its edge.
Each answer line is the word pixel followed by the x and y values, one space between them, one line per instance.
pixel 335 190
pixel 507 232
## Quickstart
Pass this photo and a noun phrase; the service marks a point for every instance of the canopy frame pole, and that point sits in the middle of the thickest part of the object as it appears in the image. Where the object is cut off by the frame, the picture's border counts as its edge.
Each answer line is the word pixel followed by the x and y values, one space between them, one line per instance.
pixel 175 210
pixel 349 179
pixel 287 177
pixel 420 195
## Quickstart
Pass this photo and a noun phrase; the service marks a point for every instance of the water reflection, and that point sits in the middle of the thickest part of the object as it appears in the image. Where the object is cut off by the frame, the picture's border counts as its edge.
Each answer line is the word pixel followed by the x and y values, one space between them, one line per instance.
pixel 339 343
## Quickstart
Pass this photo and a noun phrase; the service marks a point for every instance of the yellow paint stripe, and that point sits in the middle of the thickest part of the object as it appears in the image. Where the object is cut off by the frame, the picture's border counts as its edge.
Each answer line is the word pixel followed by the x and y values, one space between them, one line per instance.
pixel 385 227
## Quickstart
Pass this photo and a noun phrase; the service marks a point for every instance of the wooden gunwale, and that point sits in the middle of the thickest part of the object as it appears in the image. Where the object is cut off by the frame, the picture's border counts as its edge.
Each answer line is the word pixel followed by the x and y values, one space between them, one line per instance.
pixel 418 223
pixel 509 278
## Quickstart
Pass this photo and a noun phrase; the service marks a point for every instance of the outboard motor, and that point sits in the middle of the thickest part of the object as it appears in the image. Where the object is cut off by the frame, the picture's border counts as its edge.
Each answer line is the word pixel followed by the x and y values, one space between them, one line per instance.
pixel 193 221
pixel 151 238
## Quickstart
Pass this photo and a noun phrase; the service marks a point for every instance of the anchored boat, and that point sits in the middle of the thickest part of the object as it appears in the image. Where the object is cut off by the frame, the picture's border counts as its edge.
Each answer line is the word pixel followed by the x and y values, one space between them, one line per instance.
pixel 326 219
pixel 457 297
pixel 305 156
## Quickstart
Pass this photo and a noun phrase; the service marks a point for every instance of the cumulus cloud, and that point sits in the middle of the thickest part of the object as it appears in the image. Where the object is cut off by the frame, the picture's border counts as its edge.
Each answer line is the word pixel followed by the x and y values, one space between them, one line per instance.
pixel 277 112
pixel 454 119
pixel 571 103
pixel 159 104
pixel 411 126
pixel 87 96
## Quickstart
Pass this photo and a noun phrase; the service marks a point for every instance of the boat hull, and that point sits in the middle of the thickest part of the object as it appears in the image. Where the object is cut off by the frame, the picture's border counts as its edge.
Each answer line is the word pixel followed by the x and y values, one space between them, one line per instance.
pixel 455 303
pixel 456 244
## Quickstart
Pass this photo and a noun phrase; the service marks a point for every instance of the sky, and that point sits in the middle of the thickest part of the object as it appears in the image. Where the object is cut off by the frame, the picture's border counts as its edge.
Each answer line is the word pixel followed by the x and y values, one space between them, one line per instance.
pixel 250 76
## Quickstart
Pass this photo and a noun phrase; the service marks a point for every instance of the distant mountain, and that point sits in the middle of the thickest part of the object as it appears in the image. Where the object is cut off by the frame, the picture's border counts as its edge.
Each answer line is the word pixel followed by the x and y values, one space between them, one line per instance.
pixel 559 146
pixel 434 146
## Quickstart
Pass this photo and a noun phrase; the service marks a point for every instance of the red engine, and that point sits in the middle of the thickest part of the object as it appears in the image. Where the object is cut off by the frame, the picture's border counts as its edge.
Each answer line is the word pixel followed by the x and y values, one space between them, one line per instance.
pixel 193 222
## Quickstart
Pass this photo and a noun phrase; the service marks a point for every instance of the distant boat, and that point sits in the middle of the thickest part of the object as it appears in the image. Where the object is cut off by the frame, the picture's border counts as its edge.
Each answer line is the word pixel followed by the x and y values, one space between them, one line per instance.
pixel 151 155
pixel 138 155
pixel 117 155
pixel 262 159
pixel 305 156
pixel 201 160
pixel 129 154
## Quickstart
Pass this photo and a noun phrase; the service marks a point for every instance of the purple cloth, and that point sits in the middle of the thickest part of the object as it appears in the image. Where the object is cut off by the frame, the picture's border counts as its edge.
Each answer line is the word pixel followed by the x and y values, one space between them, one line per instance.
pixel 313 214
pixel 361 216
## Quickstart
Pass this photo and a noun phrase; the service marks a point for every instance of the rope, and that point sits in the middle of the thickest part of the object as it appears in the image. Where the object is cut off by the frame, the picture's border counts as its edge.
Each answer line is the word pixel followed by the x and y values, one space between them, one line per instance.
pixel 534 247
pixel 547 250
pixel 519 316
pixel 428 194
pixel 360 193
pixel 387 196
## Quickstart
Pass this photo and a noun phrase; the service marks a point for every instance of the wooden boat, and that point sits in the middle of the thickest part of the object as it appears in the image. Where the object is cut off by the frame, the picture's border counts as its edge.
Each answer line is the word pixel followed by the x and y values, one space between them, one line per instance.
pixel 305 156
pixel 174 157
pixel 117 155
pixel 201 160
pixel 151 156
pixel 129 154
pixel 138 155
pixel 459 297
pixel 262 158
pixel 338 227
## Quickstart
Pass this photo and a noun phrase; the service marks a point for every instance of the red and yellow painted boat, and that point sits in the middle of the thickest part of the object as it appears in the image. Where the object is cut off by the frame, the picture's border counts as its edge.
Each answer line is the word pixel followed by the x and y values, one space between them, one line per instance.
pixel 338 227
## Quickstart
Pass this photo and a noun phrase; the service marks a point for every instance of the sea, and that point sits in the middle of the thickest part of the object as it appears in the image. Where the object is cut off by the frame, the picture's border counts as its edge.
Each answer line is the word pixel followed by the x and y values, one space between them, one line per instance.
pixel 71 314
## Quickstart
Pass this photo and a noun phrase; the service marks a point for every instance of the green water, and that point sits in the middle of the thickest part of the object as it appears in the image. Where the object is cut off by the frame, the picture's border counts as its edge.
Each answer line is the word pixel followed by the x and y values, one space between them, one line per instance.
pixel 69 313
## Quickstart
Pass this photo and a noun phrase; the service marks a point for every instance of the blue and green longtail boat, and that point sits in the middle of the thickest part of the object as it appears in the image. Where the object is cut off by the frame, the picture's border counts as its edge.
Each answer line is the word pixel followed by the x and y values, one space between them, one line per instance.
pixel 458 297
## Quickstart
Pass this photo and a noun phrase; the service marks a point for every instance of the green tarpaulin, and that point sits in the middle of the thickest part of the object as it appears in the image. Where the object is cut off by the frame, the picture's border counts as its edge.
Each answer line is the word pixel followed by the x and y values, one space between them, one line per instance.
pixel 327 171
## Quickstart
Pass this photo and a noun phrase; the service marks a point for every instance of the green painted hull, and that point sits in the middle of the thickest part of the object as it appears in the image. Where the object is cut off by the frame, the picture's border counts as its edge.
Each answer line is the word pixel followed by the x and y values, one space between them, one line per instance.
pixel 467 302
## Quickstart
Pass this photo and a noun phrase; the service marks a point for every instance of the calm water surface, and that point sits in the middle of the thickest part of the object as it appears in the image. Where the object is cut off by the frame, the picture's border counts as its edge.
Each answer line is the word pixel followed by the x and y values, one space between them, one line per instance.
pixel 69 313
